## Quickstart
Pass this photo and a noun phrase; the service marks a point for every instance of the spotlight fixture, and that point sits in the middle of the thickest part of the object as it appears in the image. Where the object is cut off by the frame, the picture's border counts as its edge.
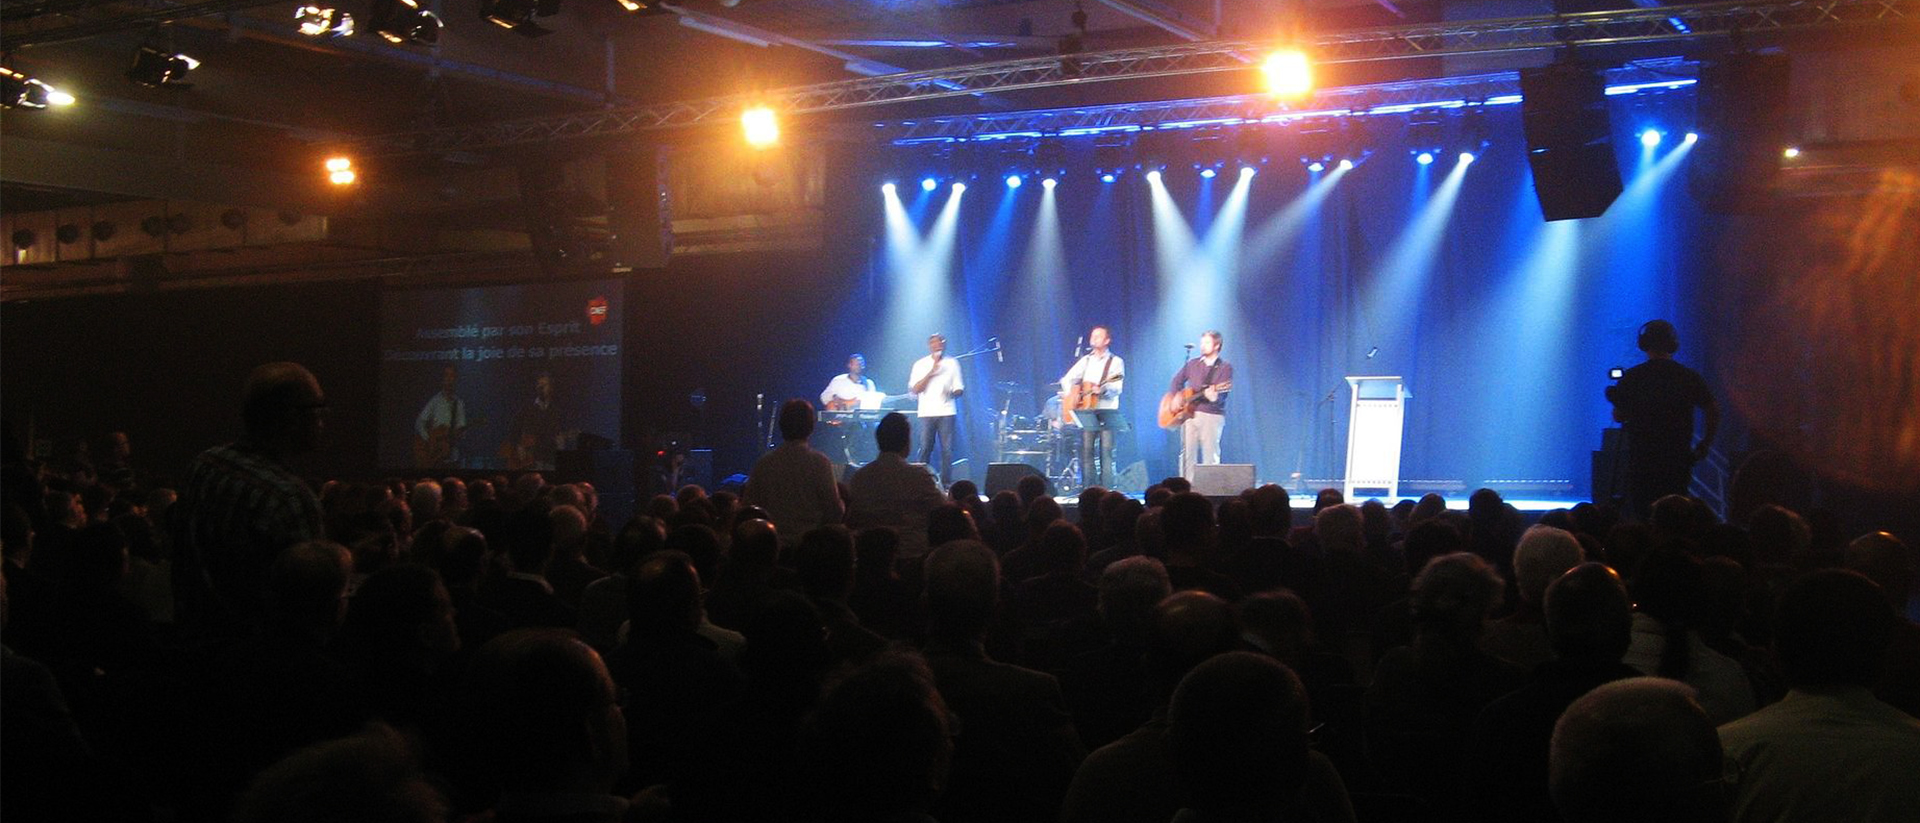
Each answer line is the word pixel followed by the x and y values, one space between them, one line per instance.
pixel 404 22
pixel 18 91
pixel 155 68
pixel 323 21
pixel 1247 171
pixel 1692 137
pixel 517 15
pixel 1316 167
pixel 1049 183
pixel 929 184
pixel 1346 165
pixel 340 171
pixel 1790 152
pixel 761 126
pixel 888 187
pixel 1107 178
pixel 1424 158
pixel 1153 176
pixel 959 187
pixel 1466 157
pixel 1207 173
pixel 1288 73
pixel 1650 138
pixel 632 5
pixel 1013 181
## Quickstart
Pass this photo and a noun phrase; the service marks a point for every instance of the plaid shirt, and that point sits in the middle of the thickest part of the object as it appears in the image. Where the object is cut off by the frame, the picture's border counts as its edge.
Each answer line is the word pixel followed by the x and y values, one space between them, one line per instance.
pixel 238 509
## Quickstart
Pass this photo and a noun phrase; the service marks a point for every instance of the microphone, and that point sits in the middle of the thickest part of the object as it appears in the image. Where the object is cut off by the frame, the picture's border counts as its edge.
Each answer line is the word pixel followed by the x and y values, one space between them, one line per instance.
pixel 997 356
pixel 1079 344
pixel 1373 351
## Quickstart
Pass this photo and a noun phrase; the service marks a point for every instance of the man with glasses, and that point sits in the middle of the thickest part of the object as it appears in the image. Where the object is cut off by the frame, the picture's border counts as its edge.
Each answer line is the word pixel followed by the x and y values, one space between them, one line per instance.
pixel 241 504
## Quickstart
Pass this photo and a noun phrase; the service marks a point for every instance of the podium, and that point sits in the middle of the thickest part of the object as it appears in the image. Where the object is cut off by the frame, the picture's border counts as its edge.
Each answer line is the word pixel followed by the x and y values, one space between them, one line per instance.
pixel 1376 417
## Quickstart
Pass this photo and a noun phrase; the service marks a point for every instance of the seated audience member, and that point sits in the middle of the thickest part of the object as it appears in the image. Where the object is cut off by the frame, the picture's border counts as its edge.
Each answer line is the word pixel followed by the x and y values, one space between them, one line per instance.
pixel 1639 750
pixel 1349 588
pixel 568 571
pixel 824 564
pixel 1671 593
pixel 672 674
pixel 965 493
pixel 1030 488
pixel 95 630
pixel 879 747
pixel 1056 593
pixel 1005 510
pixel 1237 736
pixel 424 500
pixel 1131 780
pixel 603 606
pixel 1187 526
pixel 948 523
pixel 795 483
pixel 371 776
pixel 1279 623
pixel 1019 748
pixel 1543 555
pixel 1888 562
pixel 1830 750
pixel 751 574
pixel 523 594
pixel 1122 542
pixel 1425 696
pixel 1108 688
pixel 884 603
pixel 283 690
pixel 460 556
pixel 891 492
pixel 398 634
pixel 545 739
pixel 1024 561
pixel 1589 622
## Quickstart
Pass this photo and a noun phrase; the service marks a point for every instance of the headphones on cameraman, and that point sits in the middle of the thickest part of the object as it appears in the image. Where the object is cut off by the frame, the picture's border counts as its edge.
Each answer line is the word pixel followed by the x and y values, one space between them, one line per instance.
pixel 1657 335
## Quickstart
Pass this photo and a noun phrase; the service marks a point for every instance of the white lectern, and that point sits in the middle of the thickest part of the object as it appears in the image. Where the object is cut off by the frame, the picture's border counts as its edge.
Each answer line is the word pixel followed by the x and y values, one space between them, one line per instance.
pixel 1375 419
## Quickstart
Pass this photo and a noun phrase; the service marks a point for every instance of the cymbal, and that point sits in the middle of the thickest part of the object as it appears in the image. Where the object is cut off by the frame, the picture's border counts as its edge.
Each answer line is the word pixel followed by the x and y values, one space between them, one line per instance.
pixel 1009 385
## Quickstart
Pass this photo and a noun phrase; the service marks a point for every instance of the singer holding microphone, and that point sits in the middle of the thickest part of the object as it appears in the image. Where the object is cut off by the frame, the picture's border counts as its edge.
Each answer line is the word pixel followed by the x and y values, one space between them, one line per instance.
pixel 935 382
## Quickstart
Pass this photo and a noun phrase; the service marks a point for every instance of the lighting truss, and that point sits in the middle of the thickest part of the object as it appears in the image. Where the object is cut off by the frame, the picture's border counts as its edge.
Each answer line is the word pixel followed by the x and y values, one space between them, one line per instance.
pixel 1496 88
pixel 1600 28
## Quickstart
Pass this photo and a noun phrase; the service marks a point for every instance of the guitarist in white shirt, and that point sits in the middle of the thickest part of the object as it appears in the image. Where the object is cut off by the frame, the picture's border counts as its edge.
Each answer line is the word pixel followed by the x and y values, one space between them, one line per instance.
pixel 1095 381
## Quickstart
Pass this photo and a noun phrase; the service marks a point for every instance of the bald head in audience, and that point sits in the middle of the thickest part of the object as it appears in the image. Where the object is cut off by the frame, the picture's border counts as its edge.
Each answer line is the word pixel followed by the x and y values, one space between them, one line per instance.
pixel 1639 749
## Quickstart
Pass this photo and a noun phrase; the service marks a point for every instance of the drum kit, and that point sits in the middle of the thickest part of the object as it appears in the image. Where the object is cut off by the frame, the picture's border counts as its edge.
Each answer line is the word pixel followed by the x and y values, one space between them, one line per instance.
pixel 1045 441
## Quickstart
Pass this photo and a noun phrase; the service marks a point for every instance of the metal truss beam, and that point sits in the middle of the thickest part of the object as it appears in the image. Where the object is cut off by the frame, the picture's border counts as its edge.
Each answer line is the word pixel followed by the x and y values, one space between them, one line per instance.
pixel 1494 88
pixel 1592 29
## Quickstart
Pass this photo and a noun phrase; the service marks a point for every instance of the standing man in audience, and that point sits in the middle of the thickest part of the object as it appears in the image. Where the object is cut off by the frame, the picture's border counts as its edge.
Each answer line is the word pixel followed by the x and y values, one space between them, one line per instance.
pixel 935 381
pixel 241 504
pixel 794 483
pixel 889 491
pixel 1654 403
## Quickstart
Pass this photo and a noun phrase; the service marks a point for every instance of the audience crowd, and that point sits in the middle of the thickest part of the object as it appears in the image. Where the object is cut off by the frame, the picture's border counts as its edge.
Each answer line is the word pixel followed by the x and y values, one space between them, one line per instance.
pixel 251 648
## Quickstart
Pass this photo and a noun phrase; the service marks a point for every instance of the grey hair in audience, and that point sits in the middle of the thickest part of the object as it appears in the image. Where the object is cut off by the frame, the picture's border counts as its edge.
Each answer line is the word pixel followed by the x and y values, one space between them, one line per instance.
pixel 1639 749
pixel 1544 553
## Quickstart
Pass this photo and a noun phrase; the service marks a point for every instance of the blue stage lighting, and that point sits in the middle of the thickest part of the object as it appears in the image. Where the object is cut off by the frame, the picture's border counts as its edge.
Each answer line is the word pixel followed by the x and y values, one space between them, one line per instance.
pixel 1424 158
pixel 1246 171
pixel 1107 178
pixel 1316 166
pixel 1346 165
pixel 959 187
pixel 1013 181
pixel 1691 137
pixel 1153 176
pixel 929 184
pixel 1207 173
pixel 887 187
pixel 1466 157
pixel 1650 138
pixel 1049 182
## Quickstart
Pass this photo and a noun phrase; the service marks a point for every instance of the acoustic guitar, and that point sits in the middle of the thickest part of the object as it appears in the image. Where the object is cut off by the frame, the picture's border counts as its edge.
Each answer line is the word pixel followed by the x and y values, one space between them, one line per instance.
pixel 1079 399
pixel 436 449
pixel 1176 408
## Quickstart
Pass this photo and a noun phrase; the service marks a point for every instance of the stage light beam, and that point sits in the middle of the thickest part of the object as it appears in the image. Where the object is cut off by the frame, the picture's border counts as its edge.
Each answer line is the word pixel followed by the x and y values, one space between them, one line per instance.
pixel 1288 73
pixel 1049 182
pixel 889 189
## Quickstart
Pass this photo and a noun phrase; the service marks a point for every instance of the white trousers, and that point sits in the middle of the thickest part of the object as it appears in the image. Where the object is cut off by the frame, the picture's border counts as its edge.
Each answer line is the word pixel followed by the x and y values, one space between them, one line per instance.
pixel 1200 441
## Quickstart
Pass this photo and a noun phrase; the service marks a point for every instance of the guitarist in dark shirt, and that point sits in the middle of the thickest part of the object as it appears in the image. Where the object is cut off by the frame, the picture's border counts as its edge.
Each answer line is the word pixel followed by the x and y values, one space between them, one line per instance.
pixel 1198 403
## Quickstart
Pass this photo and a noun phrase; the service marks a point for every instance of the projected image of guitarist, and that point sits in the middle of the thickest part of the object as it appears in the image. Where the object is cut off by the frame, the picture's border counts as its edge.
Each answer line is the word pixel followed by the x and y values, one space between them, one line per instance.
pixel 1197 405
pixel 439 426
pixel 1094 382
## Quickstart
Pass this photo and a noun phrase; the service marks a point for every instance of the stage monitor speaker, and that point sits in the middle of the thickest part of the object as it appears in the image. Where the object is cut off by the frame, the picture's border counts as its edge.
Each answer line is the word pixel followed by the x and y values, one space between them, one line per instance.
pixel 639 212
pixel 1005 477
pixel 1740 107
pixel 1569 140
pixel 1223 479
